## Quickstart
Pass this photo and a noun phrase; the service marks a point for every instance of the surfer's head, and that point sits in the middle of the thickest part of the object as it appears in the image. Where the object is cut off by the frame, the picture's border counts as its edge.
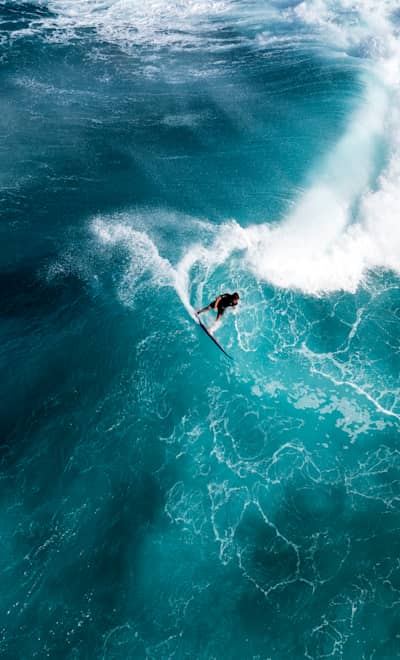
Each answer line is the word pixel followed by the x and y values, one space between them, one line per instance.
pixel 235 297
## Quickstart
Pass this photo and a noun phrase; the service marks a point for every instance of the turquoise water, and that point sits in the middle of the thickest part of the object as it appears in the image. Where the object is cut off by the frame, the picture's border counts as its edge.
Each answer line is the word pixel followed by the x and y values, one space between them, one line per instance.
pixel 158 501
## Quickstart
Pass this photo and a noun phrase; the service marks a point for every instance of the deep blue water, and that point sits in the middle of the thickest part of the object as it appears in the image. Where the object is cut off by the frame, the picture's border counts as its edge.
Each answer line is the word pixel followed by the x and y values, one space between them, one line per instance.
pixel 158 501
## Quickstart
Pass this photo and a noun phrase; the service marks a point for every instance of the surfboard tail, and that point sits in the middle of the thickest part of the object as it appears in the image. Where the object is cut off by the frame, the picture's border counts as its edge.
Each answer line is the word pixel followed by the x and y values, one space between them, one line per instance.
pixel 216 342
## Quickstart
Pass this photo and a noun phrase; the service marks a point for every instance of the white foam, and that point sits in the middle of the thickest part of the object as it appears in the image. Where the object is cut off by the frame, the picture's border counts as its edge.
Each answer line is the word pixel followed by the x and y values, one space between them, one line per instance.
pixel 145 262
pixel 321 246
pixel 132 22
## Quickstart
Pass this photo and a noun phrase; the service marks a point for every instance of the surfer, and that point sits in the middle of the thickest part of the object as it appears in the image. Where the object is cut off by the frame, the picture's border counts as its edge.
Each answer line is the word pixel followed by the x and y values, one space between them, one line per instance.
pixel 220 304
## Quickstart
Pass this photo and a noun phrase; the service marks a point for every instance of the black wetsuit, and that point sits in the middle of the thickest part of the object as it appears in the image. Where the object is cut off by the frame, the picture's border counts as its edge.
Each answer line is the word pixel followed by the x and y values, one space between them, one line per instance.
pixel 227 300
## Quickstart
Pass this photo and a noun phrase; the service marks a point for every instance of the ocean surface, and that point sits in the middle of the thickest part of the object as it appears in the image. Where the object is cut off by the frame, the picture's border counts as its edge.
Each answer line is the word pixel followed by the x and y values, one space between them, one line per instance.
pixel 157 500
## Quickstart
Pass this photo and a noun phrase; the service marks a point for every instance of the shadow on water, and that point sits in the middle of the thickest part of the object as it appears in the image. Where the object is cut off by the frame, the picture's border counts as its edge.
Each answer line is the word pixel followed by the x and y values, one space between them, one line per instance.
pixel 86 564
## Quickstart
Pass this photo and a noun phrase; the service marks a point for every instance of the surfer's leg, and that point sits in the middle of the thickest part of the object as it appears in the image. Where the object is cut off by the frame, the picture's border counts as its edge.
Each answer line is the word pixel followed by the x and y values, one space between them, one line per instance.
pixel 217 320
pixel 205 309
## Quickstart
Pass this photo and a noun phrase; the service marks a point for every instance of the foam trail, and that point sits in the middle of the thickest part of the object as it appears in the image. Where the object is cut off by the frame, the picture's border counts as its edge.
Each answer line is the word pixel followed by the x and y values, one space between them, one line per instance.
pixel 147 266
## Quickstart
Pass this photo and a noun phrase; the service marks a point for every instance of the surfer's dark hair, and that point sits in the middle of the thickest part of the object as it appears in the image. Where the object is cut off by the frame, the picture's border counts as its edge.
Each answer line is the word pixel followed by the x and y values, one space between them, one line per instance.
pixel 235 295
